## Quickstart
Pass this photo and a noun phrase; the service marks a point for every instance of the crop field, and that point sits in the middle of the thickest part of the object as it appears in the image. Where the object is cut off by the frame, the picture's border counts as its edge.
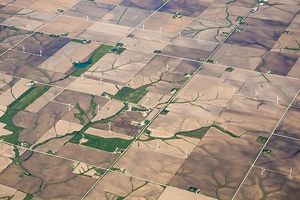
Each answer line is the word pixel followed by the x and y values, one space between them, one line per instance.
pixel 149 99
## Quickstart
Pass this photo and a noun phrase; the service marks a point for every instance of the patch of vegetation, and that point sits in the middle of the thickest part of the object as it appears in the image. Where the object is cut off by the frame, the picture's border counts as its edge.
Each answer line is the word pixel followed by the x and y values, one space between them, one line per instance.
pixel 239 19
pixel 105 144
pixel 225 34
pixel 147 132
pixel 82 67
pixel 12 28
pixel 267 152
pixel 139 109
pixel 118 49
pixel 81 115
pixel 17 155
pixel 128 94
pixel 177 15
pixel 198 133
pixel 81 41
pixel 194 189
pixel 229 69
pixel 59 11
pixel 116 169
pixel 210 61
pixel 225 131
pixel 174 90
pixel 99 171
pixel 54 35
pixel 164 112
pixel 19 104
pixel 51 152
pixel 28 197
pixel 261 139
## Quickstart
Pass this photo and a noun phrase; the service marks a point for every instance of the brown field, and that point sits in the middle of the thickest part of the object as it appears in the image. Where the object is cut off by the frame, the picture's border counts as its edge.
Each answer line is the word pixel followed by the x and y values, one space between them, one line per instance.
pixel 268 185
pixel 211 90
pixel 216 12
pixel 239 57
pixel 7 11
pixel 171 193
pixel 11 92
pixel 11 37
pixel 26 66
pixel 96 157
pixel 197 117
pixel 38 104
pixel 149 165
pixel 91 9
pixel 244 115
pixel 120 68
pixel 283 157
pixel 46 177
pixel 282 13
pixel 44 120
pixel 178 147
pixel 126 16
pixel 215 177
pixel 206 30
pixel 66 24
pixel 62 60
pixel 203 103
pixel 23 23
pixel 127 123
pixel 115 185
pixel 274 61
pixel 253 37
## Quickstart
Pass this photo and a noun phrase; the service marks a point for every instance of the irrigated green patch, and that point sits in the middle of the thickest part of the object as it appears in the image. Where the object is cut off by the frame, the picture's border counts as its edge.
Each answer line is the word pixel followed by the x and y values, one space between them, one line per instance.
pixel 105 144
pixel 82 67
pixel 128 94
pixel 19 104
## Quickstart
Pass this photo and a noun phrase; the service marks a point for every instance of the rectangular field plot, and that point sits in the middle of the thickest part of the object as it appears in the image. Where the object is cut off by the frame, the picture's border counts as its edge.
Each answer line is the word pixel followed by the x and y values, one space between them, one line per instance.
pixel 281 156
pixel 118 186
pixel 45 176
pixel 269 185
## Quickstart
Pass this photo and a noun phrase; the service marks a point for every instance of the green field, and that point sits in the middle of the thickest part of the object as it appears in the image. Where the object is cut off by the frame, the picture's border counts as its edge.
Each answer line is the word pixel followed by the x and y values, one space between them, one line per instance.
pixel 19 104
pixel 28 197
pixel 198 133
pixel 82 67
pixel 105 144
pixel 128 94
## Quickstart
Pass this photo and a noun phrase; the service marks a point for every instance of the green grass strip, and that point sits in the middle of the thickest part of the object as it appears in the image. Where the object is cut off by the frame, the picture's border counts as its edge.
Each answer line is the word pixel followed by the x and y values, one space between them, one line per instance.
pixel 105 144
pixel 198 133
pixel 128 94
pixel 19 104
